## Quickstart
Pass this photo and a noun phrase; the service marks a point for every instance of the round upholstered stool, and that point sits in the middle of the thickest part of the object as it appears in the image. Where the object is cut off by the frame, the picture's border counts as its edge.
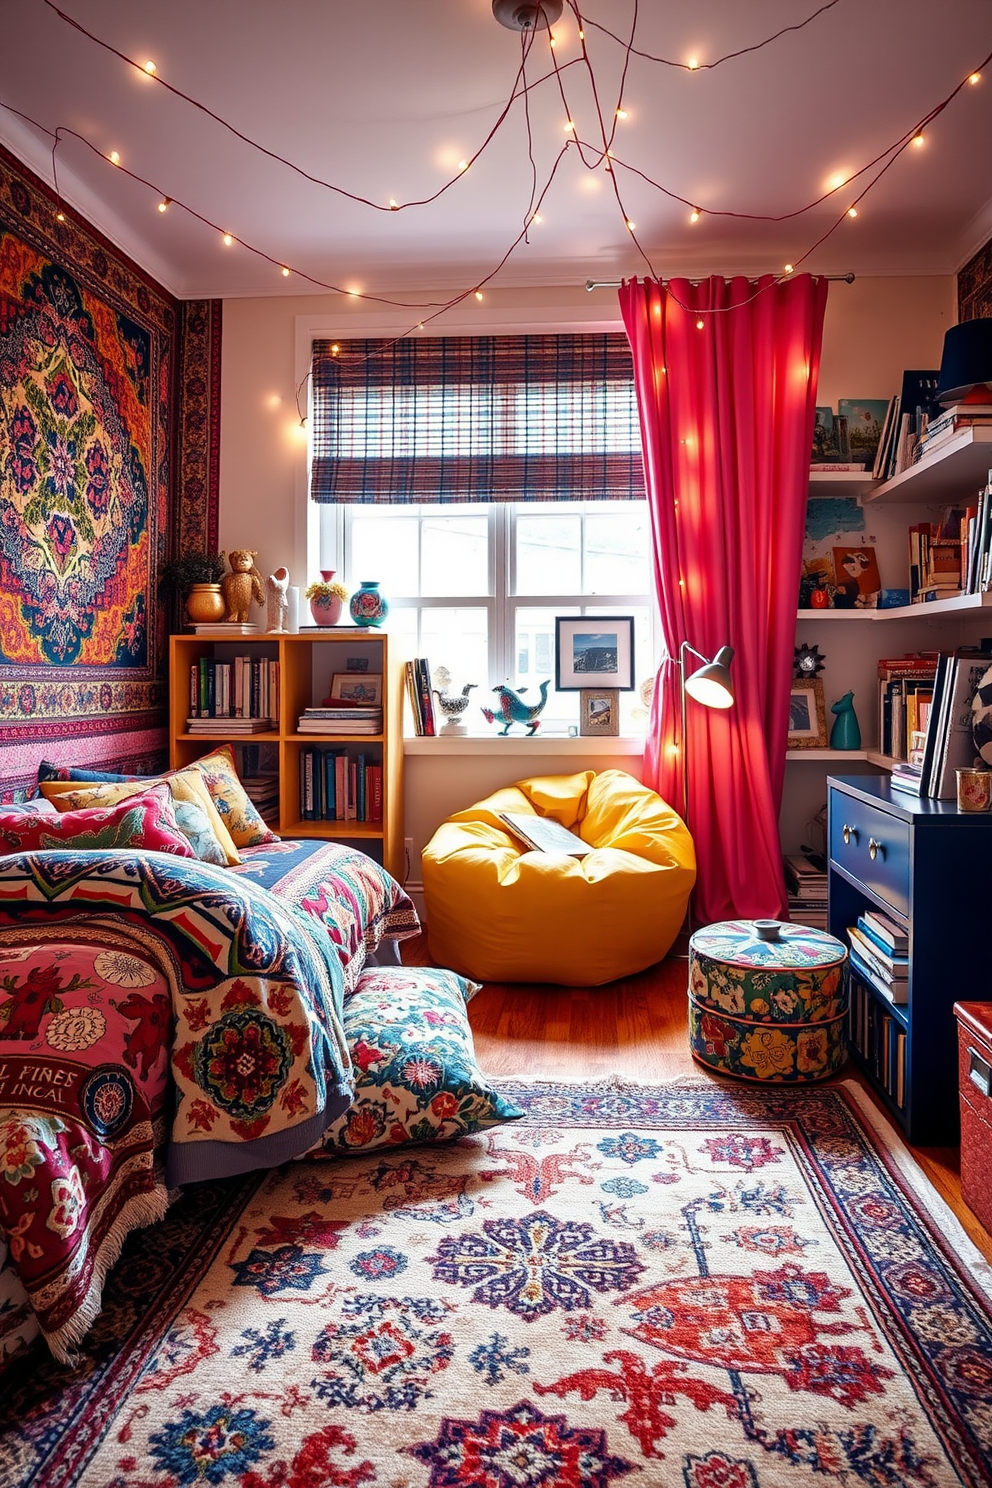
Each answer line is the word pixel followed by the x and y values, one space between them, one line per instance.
pixel 767 1000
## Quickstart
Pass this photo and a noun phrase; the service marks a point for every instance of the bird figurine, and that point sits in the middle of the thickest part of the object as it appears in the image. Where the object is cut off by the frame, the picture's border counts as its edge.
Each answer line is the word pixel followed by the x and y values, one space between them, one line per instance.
pixel 452 705
pixel 513 709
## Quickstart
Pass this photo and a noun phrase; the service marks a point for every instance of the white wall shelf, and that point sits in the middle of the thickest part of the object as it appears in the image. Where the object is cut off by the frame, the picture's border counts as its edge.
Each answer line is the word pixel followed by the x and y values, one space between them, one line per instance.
pixel 961 605
pixel 943 476
pixel 828 754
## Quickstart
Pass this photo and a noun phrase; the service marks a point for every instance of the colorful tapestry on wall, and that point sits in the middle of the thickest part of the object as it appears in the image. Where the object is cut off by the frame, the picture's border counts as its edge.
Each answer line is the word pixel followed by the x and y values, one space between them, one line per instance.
pixel 98 366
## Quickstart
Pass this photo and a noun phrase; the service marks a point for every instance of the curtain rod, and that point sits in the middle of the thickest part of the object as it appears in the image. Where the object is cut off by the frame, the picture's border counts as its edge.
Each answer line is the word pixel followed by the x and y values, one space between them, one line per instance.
pixel 592 284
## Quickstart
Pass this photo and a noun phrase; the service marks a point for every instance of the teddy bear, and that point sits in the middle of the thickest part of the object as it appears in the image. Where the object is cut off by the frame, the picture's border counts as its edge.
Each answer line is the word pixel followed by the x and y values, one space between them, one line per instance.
pixel 243 585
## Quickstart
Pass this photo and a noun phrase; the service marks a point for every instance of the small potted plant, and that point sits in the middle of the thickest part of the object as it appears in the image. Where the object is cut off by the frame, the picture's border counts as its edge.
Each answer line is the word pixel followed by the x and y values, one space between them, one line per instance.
pixel 327 597
pixel 196 577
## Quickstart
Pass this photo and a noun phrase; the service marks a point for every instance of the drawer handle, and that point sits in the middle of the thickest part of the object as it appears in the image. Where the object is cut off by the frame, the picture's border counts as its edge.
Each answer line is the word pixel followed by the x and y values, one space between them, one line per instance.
pixel 874 848
pixel 849 834
pixel 979 1072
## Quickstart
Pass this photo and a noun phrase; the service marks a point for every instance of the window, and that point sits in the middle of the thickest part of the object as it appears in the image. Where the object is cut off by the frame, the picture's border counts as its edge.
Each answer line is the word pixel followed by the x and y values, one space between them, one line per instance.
pixel 408 437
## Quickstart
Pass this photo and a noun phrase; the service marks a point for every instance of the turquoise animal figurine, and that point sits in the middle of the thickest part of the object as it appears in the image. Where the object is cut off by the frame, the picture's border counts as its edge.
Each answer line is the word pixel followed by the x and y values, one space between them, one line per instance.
pixel 846 733
pixel 513 709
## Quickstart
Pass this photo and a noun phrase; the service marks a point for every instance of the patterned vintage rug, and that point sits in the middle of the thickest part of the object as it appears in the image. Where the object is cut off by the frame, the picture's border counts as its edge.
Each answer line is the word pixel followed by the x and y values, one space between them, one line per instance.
pixel 693 1286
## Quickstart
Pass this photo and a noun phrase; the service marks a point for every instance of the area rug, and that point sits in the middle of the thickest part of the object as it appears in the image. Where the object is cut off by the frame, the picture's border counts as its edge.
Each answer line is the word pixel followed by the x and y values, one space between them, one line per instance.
pixel 695 1285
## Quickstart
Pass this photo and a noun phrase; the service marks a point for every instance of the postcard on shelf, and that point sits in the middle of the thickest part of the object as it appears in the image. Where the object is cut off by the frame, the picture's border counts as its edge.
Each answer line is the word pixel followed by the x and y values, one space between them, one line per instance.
pixel 544 834
pixel 858 578
pixel 864 417
pixel 830 441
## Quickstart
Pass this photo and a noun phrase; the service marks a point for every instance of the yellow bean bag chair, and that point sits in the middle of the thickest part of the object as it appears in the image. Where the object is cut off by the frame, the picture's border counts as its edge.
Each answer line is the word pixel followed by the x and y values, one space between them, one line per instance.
pixel 500 913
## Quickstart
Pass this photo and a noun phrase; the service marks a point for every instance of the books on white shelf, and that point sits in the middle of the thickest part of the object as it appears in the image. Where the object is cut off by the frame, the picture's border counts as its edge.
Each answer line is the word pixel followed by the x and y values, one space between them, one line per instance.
pixel 949 744
pixel 544 834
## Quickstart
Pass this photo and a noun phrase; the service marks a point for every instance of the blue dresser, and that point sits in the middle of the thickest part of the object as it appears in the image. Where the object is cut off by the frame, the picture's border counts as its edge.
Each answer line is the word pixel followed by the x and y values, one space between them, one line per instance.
pixel 928 867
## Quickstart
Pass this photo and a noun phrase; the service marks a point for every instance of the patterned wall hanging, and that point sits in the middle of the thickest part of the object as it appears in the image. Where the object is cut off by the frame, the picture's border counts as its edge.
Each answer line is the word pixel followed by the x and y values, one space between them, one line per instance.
pixel 91 352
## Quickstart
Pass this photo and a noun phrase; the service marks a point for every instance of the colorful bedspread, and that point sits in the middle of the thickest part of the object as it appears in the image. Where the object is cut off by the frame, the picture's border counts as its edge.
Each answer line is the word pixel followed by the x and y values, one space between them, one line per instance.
pixel 358 902
pixel 83 1084
pixel 259 1058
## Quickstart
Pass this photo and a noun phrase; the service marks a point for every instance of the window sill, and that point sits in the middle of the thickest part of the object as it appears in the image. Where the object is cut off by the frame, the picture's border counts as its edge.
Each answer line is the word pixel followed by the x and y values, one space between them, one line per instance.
pixel 520 744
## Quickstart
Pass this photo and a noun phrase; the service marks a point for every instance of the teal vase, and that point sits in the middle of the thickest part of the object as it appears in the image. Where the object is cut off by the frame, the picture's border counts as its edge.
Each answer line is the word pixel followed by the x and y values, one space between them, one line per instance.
pixel 846 733
pixel 367 605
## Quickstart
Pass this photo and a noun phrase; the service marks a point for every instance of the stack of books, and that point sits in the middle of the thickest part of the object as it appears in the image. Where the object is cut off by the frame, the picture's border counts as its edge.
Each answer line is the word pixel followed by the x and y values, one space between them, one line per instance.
pixel 418 684
pixel 233 726
pixel 341 717
pixel 263 792
pixel 806 883
pixel 905 697
pixel 879 953
pixel 949 422
pixel 948 744
pixel 936 568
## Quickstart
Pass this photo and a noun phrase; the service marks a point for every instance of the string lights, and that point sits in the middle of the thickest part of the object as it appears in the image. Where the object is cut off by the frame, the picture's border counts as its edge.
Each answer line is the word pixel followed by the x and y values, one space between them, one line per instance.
pixel 593 155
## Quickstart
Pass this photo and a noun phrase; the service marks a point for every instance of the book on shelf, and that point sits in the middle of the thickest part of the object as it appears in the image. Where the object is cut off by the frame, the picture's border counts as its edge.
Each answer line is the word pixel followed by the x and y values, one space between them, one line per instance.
pixel 845 467
pixel 895 992
pixel 224 629
pixel 418 683
pixel 885 930
pixel 230 725
pixel 544 834
pixel 952 746
pixel 890 966
pixel 338 726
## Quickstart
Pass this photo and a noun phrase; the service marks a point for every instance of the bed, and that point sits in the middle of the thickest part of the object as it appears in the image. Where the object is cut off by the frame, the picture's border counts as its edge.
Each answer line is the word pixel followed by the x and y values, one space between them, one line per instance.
pixel 163 1020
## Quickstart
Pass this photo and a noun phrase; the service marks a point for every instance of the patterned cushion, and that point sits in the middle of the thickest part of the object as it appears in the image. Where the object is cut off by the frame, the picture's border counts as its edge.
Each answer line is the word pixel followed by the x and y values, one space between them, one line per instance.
pixel 240 816
pixel 144 821
pixel 416 1075
pixel 48 771
pixel 196 815
pixel 37 806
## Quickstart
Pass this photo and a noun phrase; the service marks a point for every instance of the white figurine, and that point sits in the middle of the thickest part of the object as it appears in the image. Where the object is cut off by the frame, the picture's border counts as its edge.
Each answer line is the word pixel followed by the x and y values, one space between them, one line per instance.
pixel 278 607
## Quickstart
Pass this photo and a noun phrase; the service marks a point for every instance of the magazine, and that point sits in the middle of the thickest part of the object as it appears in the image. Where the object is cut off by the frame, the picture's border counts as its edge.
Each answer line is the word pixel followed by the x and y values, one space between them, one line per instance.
pixel 544 834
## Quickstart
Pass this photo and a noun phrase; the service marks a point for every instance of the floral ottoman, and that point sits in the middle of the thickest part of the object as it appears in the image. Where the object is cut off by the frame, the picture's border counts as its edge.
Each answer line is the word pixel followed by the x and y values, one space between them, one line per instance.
pixel 767 1001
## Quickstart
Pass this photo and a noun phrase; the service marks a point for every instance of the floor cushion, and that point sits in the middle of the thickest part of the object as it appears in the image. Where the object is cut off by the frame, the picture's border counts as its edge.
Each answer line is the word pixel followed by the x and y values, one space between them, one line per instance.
pixel 499 913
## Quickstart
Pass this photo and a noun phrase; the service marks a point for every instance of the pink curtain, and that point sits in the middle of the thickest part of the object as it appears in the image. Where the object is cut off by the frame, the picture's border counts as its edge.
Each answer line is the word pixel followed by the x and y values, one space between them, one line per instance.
pixel 726 374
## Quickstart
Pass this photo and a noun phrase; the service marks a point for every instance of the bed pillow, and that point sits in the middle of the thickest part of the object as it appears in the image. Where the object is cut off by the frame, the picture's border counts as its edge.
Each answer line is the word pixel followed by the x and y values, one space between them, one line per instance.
pixel 37 806
pixel 144 821
pixel 416 1075
pixel 48 771
pixel 196 815
pixel 228 794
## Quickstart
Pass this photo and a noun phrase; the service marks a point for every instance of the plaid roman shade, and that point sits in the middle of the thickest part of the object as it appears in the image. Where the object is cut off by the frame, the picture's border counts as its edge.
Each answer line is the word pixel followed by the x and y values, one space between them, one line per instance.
pixel 475 418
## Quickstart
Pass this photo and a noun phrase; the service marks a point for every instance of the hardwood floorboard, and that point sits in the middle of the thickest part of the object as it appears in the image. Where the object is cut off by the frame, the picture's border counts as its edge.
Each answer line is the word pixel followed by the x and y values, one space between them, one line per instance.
pixel 635 1029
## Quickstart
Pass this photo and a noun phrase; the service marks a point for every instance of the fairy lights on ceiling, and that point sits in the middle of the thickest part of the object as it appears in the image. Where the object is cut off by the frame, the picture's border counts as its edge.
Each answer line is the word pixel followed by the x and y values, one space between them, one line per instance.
pixel 596 155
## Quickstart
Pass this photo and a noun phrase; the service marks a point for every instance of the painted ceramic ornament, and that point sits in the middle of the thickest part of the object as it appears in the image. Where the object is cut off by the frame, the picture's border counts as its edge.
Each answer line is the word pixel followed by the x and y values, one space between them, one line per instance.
pixel 846 732
pixel 367 605
pixel 807 661
pixel 513 709
pixel 451 705
pixel 767 1001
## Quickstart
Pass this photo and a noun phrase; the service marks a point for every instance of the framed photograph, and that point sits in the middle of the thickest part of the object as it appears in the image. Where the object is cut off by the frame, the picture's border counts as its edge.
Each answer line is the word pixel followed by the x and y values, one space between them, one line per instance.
pixel 357 687
pixel 595 651
pixel 599 712
pixel 807 715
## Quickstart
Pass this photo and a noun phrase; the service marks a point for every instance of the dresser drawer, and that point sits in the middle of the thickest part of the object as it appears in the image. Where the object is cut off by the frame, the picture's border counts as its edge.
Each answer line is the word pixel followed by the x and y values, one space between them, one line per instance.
pixel 871 846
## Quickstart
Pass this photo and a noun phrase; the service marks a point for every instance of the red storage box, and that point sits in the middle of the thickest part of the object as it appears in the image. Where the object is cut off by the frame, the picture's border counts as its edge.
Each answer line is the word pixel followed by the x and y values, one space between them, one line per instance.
pixel 975 1085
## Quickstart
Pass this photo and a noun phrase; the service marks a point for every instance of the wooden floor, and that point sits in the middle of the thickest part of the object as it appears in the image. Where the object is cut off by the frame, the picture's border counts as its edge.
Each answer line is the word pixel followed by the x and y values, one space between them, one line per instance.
pixel 635 1028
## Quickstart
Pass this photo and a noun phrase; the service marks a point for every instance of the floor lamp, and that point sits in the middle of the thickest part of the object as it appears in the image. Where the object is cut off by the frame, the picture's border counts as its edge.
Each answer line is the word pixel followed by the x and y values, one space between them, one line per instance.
pixel 712 686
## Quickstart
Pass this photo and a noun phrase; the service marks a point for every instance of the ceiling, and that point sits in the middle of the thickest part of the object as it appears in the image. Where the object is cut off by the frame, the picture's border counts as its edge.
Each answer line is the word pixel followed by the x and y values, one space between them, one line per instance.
pixel 384 98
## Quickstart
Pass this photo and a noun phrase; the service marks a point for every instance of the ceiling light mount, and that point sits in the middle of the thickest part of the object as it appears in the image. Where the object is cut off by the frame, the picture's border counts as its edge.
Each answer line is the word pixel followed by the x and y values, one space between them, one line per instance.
pixel 519 15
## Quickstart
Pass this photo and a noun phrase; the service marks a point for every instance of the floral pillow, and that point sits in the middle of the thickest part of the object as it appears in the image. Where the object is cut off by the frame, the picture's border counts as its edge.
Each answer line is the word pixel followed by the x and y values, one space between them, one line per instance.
pixel 146 822
pixel 228 794
pixel 196 815
pixel 416 1075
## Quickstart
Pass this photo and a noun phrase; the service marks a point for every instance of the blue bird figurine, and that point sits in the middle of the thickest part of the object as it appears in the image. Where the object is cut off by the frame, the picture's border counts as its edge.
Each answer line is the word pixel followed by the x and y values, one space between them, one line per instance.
pixel 846 733
pixel 513 709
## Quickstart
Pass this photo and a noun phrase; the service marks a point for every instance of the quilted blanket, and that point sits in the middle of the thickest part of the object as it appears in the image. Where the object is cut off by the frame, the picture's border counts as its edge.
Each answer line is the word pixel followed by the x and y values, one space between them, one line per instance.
pixel 259 1058
pixel 83 1085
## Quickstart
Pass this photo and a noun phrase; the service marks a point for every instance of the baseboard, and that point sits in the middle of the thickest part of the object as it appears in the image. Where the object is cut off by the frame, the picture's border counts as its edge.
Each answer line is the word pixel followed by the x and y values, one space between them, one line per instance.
pixel 415 889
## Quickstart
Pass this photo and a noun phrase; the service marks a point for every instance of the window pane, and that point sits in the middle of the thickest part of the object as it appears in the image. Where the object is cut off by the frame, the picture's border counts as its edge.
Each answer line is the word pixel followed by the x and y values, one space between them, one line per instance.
pixel 459 640
pixel 549 557
pixel 455 555
pixel 386 548
pixel 535 657
pixel 617 548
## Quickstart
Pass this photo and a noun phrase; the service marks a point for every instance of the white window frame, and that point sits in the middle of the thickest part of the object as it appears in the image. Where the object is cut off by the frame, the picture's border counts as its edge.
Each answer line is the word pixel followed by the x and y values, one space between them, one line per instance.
pixel 502 602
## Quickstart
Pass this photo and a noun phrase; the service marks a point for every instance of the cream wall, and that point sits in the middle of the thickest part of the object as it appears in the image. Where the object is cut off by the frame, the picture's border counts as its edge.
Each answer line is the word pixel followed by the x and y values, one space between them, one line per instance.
pixel 874 329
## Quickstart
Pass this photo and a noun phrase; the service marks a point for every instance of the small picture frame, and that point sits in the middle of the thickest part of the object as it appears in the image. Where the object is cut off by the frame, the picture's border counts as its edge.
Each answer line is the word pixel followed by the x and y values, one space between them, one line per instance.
pixel 357 687
pixel 594 652
pixel 599 712
pixel 807 714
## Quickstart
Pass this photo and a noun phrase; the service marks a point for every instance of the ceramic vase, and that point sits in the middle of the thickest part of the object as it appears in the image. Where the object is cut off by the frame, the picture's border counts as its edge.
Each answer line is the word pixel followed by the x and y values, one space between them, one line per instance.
pixel 846 732
pixel 367 605
pixel 328 611
pixel 205 603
